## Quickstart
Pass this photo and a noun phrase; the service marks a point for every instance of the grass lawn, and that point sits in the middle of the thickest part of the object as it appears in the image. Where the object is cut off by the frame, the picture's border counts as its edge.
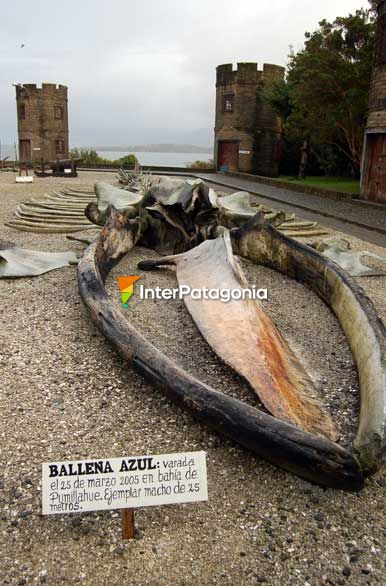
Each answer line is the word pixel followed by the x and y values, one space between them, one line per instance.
pixel 335 183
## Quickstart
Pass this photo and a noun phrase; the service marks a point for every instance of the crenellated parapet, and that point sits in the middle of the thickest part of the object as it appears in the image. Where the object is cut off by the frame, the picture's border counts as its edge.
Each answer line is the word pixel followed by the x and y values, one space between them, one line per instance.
pixel 247 73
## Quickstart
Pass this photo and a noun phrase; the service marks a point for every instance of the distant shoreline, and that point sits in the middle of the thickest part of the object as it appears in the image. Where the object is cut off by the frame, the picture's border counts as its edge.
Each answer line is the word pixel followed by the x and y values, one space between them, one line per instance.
pixel 159 159
pixel 152 148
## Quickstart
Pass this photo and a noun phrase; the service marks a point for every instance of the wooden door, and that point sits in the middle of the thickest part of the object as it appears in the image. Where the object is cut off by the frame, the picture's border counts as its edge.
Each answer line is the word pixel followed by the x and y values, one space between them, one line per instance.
pixel 375 180
pixel 228 155
pixel 25 150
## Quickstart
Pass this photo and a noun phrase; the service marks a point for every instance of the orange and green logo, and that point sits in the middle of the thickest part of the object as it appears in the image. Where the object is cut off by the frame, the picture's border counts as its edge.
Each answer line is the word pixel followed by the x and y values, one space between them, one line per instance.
pixel 126 287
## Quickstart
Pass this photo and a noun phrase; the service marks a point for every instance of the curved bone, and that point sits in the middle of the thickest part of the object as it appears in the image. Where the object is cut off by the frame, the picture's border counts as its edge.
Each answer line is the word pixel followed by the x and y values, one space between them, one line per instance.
pixel 57 219
pixel 30 209
pixel 58 213
pixel 47 228
pixel 365 332
pixel 78 191
pixel 72 196
pixel 245 337
pixel 65 201
pixel 302 233
pixel 312 457
pixel 296 225
pixel 56 205
pixel 83 240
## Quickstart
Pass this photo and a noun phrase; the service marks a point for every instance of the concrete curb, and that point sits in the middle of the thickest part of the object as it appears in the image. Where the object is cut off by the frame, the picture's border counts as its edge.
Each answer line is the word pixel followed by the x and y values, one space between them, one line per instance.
pixel 308 189
pixel 152 168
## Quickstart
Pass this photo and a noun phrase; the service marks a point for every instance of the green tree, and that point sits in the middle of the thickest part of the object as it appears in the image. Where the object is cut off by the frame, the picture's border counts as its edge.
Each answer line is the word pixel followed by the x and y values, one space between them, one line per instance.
pixel 201 164
pixel 91 157
pixel 88 156
pixel 324 98
pixel 130 160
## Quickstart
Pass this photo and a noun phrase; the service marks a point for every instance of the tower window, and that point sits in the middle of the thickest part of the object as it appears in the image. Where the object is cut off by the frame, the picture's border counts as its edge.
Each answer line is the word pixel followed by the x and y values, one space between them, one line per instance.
pixel 22 113
pixel 58 112
pixel 60 147
pixel 228 104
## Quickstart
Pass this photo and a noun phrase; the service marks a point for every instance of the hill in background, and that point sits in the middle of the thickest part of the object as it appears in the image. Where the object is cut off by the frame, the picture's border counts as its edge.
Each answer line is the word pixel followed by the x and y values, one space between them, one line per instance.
pixel 154 148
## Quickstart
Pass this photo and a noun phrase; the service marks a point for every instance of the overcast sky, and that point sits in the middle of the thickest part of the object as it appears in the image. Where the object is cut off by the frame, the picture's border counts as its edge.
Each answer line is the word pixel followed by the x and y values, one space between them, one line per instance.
pixel 144 71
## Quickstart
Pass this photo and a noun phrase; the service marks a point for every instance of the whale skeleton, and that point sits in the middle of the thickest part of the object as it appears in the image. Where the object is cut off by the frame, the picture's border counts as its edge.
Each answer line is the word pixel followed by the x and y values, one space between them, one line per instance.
pixel 60 211
pixel 187 217
pixel 307 454
pixel 183 215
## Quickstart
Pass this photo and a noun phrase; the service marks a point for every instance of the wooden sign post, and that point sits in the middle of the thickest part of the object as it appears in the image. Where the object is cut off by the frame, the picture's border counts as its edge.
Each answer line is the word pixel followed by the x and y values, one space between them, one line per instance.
pixel 123 483
pixel 128 525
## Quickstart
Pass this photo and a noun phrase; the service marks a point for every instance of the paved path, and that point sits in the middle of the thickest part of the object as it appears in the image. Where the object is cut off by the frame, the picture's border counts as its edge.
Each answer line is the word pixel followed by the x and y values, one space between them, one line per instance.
pixel 355 218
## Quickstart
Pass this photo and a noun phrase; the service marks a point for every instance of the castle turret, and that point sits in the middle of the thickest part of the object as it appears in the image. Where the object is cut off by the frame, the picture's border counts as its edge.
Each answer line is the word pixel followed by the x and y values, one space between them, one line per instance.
pixel 247 130
pixel 373 179
pixel 42 116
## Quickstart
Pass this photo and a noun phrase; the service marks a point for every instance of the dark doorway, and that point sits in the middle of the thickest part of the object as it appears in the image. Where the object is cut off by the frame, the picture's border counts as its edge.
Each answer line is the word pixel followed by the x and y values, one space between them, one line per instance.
pixel 25 150
pixel 374 185
pixel 228 155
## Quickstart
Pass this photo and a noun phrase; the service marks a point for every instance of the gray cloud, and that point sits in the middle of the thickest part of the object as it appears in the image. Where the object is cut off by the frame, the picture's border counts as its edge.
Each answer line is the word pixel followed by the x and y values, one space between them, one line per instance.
pixel 144 72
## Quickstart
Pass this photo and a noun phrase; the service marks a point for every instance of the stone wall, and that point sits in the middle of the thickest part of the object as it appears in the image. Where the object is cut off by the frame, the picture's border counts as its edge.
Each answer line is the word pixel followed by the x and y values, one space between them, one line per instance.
pixel 42 115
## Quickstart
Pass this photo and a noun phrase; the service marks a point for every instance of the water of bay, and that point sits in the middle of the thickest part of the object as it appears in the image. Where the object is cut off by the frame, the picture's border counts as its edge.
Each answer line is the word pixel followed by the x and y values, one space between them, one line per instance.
pixel 160 159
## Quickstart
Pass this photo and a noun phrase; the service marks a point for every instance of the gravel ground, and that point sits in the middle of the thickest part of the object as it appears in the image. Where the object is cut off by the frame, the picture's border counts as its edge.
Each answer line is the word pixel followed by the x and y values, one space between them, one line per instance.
pixel 65 394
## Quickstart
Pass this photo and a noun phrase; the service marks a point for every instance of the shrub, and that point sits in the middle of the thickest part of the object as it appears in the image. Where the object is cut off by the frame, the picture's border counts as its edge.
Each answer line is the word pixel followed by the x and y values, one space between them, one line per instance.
pixel 91 157
pixel 201 164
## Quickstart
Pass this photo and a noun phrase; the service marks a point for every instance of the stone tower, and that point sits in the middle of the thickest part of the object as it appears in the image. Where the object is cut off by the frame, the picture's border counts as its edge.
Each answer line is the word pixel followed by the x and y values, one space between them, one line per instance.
pixel 42 117
pixel 247 131
pixel 373 177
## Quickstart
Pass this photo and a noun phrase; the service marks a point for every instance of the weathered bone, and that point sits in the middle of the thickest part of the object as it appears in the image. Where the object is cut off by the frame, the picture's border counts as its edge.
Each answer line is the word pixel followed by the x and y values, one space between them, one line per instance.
pixel 339 250
pixel 365 332
pixel 121 199
pixel 107 195
pixel 47 212
pixel 61 213
pixel 245 337
pixel 44 227
pixel 81 239
pixel 20 262
pixel 53 219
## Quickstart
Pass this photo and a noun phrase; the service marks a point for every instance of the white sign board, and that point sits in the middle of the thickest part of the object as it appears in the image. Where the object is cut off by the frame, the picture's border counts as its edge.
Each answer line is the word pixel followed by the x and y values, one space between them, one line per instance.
pixel 24 179
pixel 68 170
pixel 123 483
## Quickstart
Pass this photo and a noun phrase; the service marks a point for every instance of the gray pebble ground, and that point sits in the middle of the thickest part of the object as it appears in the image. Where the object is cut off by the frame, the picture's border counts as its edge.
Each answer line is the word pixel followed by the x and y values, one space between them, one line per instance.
pixel 65 394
